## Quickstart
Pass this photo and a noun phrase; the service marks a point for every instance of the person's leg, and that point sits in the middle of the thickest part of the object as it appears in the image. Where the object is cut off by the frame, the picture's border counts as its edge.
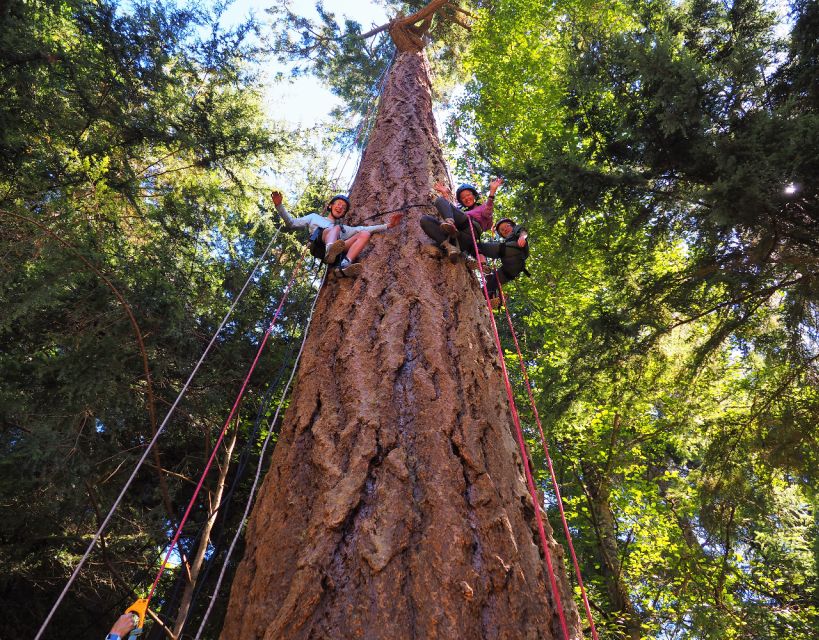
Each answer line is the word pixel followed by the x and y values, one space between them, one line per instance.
pixel 448 212
pixel 334 245
pixel 489 249
pixel 460 218
pixel 512 265
pixel 331 234
pixel 492 284
pixel 432 227
pixel 356 244
pixel 445 208
pixel 465 238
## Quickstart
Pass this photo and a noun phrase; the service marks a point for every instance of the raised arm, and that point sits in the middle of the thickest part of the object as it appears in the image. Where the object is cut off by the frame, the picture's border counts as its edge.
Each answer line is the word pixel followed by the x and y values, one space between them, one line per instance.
pixel 289 221
pixel 443 190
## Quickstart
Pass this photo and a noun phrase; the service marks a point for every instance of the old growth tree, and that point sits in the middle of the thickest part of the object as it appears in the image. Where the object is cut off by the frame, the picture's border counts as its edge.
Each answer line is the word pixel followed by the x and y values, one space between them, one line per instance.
pixel 395 504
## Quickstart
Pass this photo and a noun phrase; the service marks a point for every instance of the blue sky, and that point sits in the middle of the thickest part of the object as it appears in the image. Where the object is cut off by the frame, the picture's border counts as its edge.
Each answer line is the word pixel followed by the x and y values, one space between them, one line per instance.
pixel 304 101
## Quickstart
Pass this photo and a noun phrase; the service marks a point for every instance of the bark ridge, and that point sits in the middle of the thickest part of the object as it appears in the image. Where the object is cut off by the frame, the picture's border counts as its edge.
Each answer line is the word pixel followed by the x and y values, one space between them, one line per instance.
pixel 395 505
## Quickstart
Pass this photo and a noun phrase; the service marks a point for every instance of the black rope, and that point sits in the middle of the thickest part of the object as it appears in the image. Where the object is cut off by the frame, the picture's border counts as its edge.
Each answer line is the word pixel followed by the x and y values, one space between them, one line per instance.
pixel 404 208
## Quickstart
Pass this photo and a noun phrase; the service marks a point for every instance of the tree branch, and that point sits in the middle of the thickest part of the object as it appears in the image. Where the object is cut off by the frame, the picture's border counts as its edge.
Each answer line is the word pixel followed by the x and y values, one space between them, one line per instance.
pixel 149 392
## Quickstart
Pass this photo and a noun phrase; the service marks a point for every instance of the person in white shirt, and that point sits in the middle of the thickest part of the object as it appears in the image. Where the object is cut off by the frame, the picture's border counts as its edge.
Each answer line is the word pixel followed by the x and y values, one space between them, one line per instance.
pixel 331 240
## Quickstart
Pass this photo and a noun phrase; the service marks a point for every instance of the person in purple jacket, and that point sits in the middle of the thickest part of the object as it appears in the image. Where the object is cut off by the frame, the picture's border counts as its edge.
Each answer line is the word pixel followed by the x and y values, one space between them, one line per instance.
pixel 452 234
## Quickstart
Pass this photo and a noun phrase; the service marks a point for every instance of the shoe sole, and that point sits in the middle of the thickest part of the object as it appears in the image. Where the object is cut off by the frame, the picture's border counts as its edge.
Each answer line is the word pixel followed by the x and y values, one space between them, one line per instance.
pixel 333 251
pixel 450 229
pixel 350 272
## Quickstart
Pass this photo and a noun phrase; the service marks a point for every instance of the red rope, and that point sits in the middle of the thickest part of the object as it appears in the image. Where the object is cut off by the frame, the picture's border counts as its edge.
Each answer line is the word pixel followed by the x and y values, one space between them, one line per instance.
pixel 522 445
pixel 224 430
pixel 549 462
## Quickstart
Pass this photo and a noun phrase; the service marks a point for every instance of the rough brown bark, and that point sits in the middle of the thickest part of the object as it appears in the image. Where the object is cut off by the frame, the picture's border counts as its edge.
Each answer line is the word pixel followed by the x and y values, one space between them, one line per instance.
pixel 395 506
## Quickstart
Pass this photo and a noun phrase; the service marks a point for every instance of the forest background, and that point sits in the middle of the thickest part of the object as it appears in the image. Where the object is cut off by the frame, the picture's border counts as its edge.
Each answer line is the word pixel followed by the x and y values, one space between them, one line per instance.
pixel 664 156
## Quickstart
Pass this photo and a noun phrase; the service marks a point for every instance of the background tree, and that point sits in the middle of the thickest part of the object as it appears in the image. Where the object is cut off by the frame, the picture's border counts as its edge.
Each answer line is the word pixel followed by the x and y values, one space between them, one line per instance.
pixel 132 142
pixel 663 155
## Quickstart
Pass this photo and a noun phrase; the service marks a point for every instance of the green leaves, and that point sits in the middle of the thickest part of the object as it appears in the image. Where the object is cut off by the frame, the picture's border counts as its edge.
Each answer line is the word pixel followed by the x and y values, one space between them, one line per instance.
pixel 130 176
pixel 648 153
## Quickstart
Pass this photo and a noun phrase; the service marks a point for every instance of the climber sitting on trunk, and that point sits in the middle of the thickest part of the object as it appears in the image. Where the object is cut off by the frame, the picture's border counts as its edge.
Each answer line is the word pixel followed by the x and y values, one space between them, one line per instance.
pixel 513 249
pixel 330 240
pixel 452 234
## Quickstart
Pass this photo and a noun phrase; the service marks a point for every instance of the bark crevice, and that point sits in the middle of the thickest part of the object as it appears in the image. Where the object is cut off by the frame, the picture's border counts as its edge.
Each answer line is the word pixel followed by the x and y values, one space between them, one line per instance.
pixel 394 506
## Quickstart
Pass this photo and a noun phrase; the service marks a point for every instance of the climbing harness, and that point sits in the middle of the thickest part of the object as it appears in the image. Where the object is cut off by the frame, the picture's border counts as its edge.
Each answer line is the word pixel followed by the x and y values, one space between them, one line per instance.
pixel 95 540
pixel 555 485
pixel 522 446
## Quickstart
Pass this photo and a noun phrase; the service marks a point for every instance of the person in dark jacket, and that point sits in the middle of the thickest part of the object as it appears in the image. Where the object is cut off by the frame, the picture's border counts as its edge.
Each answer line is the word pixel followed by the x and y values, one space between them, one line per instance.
pixel 512 250
pixel 452 234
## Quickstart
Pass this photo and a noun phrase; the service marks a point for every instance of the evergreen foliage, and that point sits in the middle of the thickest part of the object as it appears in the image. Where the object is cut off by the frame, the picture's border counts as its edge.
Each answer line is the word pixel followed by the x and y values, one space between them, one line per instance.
pixel 664 157
pixel 132 141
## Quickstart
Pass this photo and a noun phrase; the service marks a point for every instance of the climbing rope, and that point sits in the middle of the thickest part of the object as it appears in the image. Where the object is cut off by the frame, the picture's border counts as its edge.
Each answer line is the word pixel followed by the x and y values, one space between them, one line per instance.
pixel 223 509
pixel 233 411
pixel 253 489
pixel 555 485
pixel 522 445
pixel 95 540
pixel 401 208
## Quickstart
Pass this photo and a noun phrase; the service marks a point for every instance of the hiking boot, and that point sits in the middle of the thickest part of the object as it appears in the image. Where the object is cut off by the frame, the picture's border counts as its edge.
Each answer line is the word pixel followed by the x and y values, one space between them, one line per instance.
pixel 452 252
pixel 432 250
pixel 449 228
pixel 471 263
pixel 350 271
pixel 334 251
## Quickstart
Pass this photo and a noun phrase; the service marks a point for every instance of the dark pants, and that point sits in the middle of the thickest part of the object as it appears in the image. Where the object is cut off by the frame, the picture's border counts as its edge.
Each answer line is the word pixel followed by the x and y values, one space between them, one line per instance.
pixel 513 262
pixel 432 226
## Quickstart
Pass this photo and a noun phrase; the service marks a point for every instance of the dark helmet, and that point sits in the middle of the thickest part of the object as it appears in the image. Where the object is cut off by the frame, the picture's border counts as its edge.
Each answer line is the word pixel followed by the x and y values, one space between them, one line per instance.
pixel 340 196
pixel 501 221
pixel 466 187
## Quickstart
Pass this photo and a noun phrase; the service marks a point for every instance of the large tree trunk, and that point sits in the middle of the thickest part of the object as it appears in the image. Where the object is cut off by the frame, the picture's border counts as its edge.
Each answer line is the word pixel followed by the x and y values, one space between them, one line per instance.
pixel 395 506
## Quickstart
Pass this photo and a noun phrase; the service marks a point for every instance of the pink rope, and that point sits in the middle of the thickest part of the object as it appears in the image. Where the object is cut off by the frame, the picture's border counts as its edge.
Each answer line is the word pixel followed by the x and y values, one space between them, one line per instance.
pixel 224 430
pixel 549 462
pixel 522 445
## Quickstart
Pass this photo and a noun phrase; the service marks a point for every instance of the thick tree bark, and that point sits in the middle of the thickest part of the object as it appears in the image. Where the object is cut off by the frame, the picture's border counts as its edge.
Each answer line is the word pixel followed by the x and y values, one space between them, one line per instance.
pixel 395 506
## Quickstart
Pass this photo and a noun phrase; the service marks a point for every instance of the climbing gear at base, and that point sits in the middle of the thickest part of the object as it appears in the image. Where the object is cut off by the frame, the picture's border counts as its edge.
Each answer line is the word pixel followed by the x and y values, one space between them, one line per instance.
pixel 449 228
pixel 334 251
pixel 495 302
pixel 137 610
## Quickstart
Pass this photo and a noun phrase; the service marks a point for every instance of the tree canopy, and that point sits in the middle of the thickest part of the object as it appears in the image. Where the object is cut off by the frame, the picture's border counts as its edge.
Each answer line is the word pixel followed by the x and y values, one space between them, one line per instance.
pixel 664 157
